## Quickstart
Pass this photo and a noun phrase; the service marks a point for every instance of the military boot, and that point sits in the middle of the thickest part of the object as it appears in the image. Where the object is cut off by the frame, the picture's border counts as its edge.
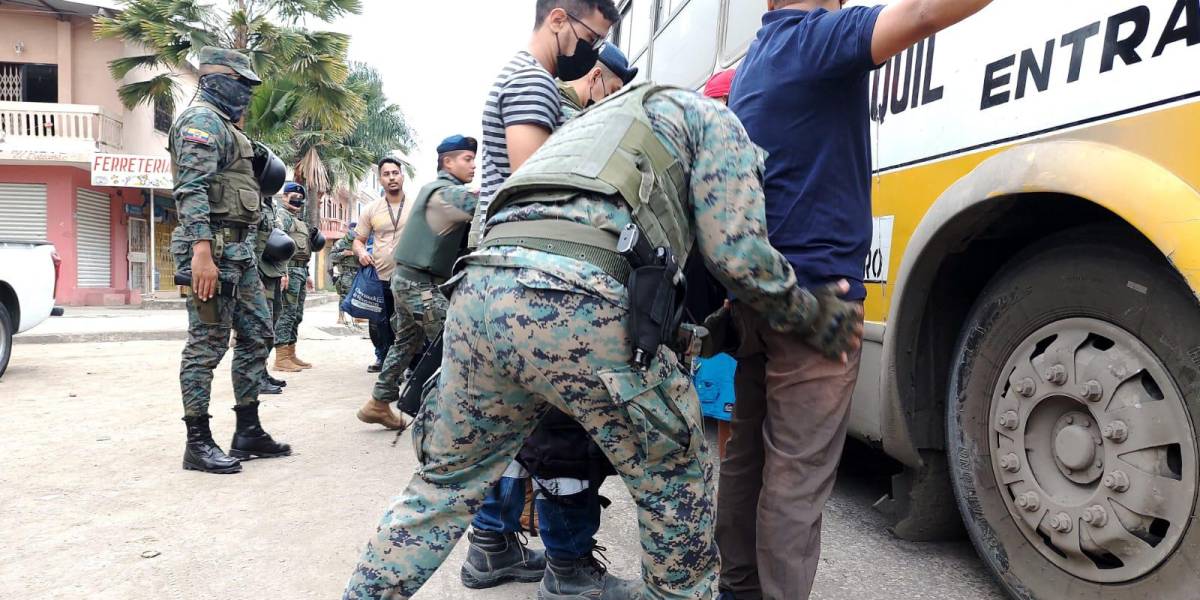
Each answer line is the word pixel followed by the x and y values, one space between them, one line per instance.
pixel 585 578
pixel 266 387
pixel 495 558
pixel 276 382
pixel 249 439
pixel 296 359
pixel 202 453
pixel 380 413
pixel 283 360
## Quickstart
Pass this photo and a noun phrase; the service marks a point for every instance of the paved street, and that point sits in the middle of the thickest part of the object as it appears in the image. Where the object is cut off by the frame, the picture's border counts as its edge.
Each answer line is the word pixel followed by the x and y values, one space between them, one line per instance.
pixel 94 503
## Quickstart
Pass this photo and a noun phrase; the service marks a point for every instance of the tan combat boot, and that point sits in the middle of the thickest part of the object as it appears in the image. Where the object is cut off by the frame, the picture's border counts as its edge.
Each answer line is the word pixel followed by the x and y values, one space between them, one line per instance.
pixel 296 359
pixel 380 413
pixel 283 360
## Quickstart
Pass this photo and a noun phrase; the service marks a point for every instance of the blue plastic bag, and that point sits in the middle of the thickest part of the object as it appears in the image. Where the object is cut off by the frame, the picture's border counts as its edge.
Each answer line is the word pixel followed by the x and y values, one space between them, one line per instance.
pixel 714 386
pixel 366 297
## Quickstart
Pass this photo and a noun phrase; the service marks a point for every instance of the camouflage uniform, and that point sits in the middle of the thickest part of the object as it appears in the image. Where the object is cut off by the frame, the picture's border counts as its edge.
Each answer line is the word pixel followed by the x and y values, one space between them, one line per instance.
pixel 347 266
pixel 420 306
pixel 202 144
pixel 271 274
pixel 297 289
pixel 527 330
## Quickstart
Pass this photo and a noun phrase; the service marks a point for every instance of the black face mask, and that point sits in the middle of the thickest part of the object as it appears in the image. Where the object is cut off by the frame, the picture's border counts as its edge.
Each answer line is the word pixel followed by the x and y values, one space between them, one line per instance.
pixel 297 202
pixel 574 67
pixel 226 92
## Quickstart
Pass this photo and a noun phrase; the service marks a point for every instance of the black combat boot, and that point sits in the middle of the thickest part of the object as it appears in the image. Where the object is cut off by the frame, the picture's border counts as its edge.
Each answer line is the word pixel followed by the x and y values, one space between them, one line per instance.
pixel 276 382
pixel 266 387
pixel 249 439
pixel 202 453
pixel 585 578
pixel 495 558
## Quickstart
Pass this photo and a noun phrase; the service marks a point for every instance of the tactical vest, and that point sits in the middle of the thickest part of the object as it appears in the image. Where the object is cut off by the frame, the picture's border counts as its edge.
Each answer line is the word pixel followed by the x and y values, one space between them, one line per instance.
pixel 609 151
pixel 233 194
pixel 298 231
pixel 421 254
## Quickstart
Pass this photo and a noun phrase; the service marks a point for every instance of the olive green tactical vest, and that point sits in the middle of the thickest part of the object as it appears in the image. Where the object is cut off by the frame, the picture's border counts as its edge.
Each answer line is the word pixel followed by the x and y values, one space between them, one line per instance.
pixel 420 248
pixel 610 150
pixel 298 231
pixel 233 194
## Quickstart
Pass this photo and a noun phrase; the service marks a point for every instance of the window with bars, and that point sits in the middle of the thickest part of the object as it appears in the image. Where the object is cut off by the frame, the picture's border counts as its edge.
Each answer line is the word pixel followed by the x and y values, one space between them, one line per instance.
pixel 28 82
pixel 162 117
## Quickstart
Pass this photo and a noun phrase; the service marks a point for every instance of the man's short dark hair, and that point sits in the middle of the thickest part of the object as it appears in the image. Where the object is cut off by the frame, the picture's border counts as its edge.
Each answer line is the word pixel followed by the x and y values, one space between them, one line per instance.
pixel 451 154
pixel 578 9
pixel 389 160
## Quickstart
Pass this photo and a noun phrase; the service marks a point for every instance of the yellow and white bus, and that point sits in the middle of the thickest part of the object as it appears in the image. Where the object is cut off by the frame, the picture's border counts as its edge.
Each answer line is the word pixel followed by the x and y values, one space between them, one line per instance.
pixel 1033 351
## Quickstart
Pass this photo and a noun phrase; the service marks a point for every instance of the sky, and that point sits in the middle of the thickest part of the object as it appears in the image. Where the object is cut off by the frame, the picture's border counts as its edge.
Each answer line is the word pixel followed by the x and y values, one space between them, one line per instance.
pixel 438 60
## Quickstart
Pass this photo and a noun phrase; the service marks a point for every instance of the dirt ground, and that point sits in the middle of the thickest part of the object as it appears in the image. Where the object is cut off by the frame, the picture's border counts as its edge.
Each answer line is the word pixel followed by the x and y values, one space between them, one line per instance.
pixel 94 503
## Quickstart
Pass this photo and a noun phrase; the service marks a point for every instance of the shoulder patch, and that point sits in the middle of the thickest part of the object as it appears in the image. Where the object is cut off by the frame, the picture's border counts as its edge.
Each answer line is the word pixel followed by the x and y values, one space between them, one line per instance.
pixel 198 136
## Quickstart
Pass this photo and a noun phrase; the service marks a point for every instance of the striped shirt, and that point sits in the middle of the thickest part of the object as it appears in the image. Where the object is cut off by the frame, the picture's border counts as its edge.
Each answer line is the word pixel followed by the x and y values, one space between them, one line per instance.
pixel 524 94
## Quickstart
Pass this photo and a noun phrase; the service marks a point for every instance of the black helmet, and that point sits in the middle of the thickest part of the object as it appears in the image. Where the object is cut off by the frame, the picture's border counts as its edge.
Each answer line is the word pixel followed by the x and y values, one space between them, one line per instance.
pixel 269 170
pixel 280 247
pixel 316 239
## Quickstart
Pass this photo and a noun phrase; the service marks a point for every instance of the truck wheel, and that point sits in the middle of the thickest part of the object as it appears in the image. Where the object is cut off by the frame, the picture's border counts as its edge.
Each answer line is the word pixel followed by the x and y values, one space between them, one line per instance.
pixel 1071 431
pixel 6 333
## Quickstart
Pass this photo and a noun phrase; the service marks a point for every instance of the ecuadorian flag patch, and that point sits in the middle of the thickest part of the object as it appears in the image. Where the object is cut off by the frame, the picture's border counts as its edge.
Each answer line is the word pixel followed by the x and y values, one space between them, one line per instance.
pixel 199 136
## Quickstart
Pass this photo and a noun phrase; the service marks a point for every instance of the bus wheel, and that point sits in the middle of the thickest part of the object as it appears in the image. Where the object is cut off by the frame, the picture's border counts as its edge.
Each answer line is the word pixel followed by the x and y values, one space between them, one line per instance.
pixel 1071 431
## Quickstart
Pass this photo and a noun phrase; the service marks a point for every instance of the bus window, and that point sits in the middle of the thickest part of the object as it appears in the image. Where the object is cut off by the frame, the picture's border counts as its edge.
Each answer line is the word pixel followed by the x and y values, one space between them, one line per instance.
pixel 742 20
pixel 639 23
pixel 666 8
pixel 685 52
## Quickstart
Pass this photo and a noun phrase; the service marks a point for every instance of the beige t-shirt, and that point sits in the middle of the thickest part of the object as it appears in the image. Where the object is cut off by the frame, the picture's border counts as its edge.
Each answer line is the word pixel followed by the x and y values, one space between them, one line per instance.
pixel 377 220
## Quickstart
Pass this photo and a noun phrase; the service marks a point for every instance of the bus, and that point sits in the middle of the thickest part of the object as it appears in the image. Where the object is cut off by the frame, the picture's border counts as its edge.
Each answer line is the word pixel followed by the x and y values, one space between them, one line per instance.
pixel 1032 350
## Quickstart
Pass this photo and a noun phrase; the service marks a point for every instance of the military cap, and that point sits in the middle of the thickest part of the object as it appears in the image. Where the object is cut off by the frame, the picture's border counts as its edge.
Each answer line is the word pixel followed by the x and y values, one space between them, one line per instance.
pixel 456 143
pixel 612 57
pixel 293 187
pixel 233 59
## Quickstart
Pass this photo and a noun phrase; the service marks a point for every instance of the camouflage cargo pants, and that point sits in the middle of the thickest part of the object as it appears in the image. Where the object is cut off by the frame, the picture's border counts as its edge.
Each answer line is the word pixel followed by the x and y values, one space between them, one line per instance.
pixel 293 306
pixel 343 283
pixel 248 313
pixel 516 342
pixel 420 313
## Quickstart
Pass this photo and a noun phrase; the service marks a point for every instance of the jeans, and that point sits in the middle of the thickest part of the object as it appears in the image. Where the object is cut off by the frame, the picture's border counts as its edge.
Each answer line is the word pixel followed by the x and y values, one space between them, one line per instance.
pixel 382 336
pixel 568 525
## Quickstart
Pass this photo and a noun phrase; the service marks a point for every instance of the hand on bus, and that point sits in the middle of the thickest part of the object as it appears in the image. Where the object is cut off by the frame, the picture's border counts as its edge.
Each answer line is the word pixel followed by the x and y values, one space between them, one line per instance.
pixel 836 327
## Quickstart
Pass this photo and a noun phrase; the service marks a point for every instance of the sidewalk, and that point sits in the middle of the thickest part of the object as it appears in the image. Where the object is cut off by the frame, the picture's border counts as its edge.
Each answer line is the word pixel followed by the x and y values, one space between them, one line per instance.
pixel 130 323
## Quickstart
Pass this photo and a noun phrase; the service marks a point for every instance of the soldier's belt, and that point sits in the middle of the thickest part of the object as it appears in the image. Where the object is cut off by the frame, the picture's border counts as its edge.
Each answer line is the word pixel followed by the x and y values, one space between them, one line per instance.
pixel 232 233
pixel 301 263
pixel 417 276
pixel 563 238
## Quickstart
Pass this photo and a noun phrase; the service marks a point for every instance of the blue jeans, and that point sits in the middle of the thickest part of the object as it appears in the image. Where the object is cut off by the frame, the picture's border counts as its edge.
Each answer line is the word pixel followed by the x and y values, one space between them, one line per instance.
pixel 568 526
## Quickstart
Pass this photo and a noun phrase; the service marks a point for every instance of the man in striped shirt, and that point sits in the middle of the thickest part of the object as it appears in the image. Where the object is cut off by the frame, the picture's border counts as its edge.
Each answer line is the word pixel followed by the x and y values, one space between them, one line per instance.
pixel 523 108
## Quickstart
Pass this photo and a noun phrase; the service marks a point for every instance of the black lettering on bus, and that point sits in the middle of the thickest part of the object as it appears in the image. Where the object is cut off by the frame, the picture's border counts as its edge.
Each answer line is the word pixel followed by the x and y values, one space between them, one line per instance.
pixel 993 79
pixel 1126 48
pixel 1077 40
pixel 1030 68
pixel 900 85
pixel 929 94
pixel 1175 32
pixel 916 81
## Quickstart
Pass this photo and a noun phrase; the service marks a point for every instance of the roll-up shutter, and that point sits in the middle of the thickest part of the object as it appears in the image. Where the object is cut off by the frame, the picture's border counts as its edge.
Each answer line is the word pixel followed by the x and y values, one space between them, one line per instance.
pixel 23 212
pixel 93 241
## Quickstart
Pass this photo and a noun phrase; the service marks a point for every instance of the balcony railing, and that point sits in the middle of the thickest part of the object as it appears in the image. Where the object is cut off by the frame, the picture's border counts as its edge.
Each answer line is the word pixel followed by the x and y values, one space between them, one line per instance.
pixel 71 130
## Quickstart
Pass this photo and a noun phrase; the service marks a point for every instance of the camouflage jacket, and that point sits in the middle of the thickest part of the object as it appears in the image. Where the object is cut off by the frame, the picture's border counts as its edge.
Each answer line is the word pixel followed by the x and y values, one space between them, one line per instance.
pixel 727 209
pixel 571 106
pixel 202 144
pixel 344 263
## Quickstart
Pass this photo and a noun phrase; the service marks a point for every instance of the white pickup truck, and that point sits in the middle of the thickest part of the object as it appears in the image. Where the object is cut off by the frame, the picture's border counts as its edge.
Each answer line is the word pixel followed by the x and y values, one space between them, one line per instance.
pixel 28 278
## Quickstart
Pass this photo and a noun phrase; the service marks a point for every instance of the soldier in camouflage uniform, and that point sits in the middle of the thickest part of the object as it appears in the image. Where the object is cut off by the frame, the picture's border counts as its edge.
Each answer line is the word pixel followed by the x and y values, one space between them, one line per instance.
pixel 532 325
pixel 274 278
pixel 425 254
pixel 290 218
pixel 217 196
pixel 342 258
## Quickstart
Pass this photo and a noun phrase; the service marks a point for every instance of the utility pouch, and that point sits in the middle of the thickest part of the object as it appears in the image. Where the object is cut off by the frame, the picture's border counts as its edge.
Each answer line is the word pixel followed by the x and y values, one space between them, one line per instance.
pixel 656 310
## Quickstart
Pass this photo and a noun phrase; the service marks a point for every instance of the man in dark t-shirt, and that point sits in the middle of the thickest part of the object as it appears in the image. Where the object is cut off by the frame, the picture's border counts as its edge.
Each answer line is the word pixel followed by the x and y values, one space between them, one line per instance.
pixel 802 94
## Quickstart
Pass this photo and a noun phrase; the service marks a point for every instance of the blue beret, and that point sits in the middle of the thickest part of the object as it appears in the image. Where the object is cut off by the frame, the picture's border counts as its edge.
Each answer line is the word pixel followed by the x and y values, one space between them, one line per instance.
pixel 456 143
pixel 612 57
pixel 293 187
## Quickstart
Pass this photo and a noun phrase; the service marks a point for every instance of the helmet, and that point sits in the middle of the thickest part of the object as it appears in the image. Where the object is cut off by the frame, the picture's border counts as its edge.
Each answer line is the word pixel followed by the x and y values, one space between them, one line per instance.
pixel 269 170
pixel 316 240
pixel 280 247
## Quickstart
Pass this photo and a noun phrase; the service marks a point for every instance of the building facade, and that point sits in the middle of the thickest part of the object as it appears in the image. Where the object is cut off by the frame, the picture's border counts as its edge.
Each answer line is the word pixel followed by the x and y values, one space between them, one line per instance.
pixel 59 111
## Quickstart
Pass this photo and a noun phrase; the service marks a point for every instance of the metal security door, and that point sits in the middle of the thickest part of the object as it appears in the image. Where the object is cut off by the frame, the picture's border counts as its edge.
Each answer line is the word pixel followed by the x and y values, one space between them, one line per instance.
pixel 139 252
pixel 93 239
pixel 23 212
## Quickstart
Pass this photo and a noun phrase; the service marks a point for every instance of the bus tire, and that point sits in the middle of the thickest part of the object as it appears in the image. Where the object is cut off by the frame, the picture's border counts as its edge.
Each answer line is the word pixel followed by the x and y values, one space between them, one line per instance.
pixel 1071 420
pixel 6 335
